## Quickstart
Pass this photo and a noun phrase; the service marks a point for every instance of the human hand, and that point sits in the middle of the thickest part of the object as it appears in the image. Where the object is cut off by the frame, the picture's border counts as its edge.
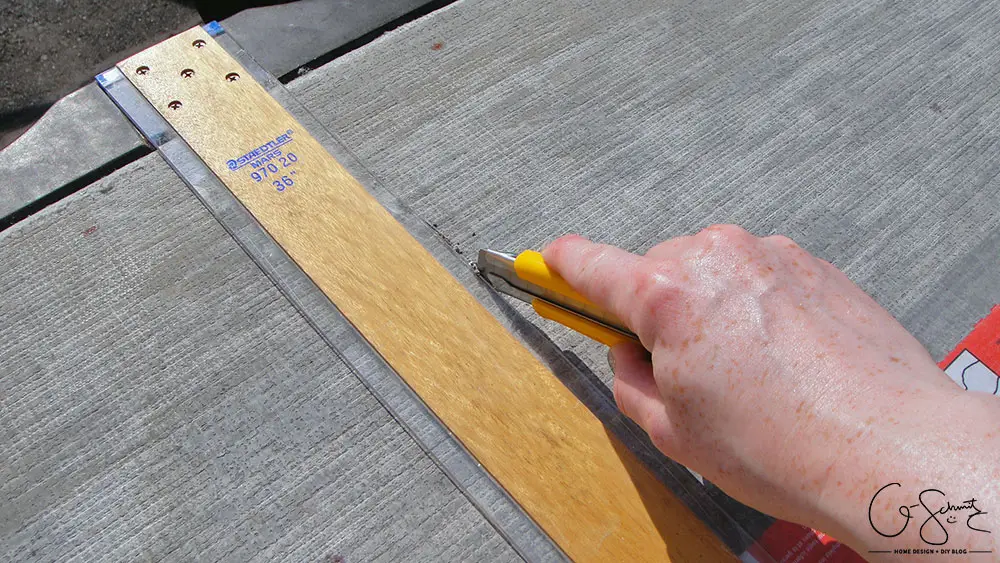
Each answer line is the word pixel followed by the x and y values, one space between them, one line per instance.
pixel 768 371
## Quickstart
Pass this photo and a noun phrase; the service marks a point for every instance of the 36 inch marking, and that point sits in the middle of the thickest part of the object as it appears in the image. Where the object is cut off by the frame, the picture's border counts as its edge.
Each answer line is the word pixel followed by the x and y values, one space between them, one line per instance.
pixel 274 171
pixel 269 163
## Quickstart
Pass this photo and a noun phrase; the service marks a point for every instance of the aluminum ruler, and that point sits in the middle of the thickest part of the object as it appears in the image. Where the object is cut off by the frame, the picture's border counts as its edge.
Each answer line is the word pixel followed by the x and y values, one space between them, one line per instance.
pixel 376 374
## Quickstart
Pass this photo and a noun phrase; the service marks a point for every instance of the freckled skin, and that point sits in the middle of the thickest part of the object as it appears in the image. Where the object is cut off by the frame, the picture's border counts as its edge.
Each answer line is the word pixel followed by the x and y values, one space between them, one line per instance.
pixel 770 373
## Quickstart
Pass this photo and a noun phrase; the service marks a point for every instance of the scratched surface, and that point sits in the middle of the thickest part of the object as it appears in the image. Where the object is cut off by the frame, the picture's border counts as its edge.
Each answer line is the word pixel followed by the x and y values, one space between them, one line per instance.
pixel 160 399
pixel 509 409
pixel 866 131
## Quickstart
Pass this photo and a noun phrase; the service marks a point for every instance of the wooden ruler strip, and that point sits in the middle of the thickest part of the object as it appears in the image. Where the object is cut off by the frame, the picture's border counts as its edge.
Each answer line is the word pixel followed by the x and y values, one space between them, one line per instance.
pixel 586 490
pixel 490 499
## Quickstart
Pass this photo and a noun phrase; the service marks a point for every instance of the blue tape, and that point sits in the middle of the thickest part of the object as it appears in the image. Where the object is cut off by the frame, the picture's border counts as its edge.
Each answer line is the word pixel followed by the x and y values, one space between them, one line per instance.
pixel 214 28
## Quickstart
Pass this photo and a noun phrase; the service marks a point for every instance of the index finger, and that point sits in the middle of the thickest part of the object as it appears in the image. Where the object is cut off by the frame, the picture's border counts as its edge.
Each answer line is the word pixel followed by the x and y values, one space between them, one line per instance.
pixel 608 276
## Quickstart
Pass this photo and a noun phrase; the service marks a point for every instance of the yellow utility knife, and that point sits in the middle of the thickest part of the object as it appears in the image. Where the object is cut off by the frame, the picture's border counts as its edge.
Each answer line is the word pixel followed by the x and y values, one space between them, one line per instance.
pixel 526 277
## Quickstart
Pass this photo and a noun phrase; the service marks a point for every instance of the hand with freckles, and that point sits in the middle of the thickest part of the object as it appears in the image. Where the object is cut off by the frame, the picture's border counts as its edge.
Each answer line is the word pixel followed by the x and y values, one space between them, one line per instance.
pixel 770 373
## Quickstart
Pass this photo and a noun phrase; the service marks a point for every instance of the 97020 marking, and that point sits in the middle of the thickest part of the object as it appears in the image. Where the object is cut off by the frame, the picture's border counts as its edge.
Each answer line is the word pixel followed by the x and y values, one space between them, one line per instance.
pixel 269 163
pixel 271 170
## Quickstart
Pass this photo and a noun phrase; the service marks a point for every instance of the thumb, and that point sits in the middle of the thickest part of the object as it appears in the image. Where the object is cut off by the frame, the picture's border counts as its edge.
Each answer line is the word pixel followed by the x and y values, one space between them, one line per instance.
pixel 634 387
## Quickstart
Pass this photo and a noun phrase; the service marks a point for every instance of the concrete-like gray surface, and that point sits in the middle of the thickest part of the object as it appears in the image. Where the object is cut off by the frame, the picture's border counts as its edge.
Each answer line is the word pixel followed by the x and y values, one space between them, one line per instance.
pixel 80 133
pixel 161 399
pixel 576 376
pixel 285 36
pixel 866 132
pixel 49 48
pixel 84 132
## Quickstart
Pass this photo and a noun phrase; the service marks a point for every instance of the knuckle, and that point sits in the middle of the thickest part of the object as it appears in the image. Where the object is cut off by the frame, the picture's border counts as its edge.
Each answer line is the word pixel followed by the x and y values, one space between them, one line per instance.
pixel 593 274
pixel 722 239
pixel 668 247
pixel 654 286
pixel 782 241
pixel 660 249
pixel 727 232
pixel 657 298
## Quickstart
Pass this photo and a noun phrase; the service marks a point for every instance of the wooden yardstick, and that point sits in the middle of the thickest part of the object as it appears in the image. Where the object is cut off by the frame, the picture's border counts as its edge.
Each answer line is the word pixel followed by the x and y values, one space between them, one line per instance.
pixel 554 457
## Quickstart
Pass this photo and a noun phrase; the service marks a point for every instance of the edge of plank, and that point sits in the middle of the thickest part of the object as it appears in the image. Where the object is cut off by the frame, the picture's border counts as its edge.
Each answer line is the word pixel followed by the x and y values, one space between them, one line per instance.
pixel 584 488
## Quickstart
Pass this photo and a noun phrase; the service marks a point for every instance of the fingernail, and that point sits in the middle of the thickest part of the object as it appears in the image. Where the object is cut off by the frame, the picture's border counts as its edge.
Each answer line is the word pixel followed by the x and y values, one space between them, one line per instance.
pixel 611 360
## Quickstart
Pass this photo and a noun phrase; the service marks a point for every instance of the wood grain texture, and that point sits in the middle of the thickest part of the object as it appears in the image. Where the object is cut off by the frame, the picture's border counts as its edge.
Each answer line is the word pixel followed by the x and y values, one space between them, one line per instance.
pixel 551 454
pixel 148 412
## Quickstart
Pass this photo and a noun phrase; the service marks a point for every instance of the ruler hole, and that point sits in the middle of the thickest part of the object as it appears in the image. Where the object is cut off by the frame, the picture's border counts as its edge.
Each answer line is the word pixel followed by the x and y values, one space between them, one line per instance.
pixel 176 104
pixel 142 70
pixel 198 43
pixel 187 73
pixel 232 77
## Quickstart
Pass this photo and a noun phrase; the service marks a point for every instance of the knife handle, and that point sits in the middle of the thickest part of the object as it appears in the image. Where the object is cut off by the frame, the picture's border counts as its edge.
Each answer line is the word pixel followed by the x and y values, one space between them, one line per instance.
pixel 579 323
pixel 531 267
